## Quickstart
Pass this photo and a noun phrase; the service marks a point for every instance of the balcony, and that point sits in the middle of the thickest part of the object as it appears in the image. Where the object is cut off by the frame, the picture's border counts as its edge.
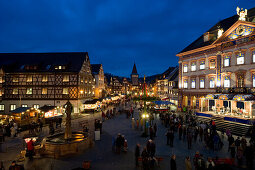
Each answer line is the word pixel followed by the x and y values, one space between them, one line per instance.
pixel 241 90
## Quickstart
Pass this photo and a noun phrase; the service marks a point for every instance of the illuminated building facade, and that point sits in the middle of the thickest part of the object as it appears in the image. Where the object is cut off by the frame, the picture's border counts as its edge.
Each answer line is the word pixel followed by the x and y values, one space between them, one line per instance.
pixel 38 79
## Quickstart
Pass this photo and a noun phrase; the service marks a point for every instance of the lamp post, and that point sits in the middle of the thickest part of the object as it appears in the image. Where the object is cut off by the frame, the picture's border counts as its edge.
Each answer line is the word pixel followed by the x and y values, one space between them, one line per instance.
pixel 145 115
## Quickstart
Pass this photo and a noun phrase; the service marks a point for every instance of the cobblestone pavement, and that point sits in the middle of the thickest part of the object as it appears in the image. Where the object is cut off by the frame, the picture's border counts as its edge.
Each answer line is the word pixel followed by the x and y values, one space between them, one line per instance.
pixel 102 157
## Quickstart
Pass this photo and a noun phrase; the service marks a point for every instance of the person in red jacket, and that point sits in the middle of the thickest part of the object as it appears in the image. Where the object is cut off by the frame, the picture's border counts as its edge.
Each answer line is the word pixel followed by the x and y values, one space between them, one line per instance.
pixel 30 149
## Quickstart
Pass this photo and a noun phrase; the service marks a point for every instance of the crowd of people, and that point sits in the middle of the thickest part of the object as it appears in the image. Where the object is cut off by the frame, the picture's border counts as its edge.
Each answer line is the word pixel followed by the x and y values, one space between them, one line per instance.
pixel 119 144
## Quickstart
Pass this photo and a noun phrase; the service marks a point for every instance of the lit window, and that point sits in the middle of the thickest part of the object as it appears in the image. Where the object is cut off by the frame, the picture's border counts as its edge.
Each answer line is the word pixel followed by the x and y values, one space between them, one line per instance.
pixel 36 106
pixel 65 90
pixel 1 79
pixel 1 107
pixel 202 65
pixel 193 84
pixel 202 83
pixel 193 67
pixel 44 90
pixel 29 90
pixel 212 83
pixel 226 61
pixel 15 91
pixel 81 79
pixel 24 105
pixel 227 82
pixel 253 56
pixel 240 58
pixel 212 64
pixel 44 78
pixel 66 78
pixel 185 68
pixel 253 80
pixel 15 79
pixel 29 78
pixel 12 107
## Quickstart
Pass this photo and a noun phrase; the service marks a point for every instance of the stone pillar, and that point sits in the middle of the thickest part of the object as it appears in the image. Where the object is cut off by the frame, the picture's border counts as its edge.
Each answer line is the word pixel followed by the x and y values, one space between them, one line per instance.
pixel 218 69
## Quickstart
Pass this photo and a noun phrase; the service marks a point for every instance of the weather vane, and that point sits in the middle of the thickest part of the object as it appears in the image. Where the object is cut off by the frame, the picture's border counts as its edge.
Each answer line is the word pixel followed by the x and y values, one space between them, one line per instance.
pixel 242 13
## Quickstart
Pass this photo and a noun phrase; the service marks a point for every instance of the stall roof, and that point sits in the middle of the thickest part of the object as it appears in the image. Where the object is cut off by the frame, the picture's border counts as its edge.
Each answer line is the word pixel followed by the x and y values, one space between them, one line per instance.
pixel 212 96
pixel 20 109
pixel 46 108
pixel 226 97
pixel 94 101
pixel 243 97
pixel 162 102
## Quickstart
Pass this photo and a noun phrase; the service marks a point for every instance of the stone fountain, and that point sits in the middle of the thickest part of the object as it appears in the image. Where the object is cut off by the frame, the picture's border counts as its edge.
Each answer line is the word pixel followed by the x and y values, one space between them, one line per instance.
pixel 67 143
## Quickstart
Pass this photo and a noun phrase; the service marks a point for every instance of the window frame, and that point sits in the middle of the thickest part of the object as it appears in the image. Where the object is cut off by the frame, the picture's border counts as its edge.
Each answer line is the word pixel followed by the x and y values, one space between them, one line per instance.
pixel 212 82
pixel 14 105
pixel 226 78
pixel 238 56
pixel 202 63
pixel 45 78
pixel 193 82
pixel 29 89
pixel 66 78
pixel 210 63
pixel 65 89
pixel 202 80
pixel 193 66
pixel 226 58
pixel 2 106
pixel 185 68
pixel 185 84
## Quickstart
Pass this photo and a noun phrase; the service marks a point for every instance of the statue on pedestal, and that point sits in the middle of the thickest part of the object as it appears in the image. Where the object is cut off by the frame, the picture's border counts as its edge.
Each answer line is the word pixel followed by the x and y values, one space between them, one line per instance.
pixel 68 111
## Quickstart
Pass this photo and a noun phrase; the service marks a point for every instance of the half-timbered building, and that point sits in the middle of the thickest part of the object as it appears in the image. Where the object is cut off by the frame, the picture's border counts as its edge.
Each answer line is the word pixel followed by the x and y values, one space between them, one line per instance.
pixel 37 79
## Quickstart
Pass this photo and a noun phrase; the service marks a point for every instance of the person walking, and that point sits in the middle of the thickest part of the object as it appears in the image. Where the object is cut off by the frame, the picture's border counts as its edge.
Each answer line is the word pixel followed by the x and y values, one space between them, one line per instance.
pixel 145 159
pixel 180 132
pixel 173 162
pixel 188 163
pixel 168 137
pixel 30 149
pixel 137 154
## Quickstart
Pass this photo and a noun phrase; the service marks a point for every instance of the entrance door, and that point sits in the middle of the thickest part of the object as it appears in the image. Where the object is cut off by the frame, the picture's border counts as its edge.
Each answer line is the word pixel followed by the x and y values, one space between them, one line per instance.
pixel 211 104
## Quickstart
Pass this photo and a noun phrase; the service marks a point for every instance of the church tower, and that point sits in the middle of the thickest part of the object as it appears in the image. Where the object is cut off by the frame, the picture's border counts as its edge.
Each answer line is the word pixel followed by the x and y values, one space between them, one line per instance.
pixel 134 76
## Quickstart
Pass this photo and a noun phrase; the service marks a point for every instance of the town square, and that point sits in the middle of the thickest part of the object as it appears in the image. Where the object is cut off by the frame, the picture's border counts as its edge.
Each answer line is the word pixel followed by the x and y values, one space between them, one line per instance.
pixel 122 85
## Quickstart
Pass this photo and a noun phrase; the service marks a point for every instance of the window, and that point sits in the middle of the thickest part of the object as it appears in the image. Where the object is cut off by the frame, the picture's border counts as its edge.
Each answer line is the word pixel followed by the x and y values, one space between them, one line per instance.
pixel 202 83
pixel 66 78
pixel 253 56
pixel 193 84
pixel 29 90
pixel 202 65
pixel 81 79
pixel 12 107
pixel 212 83
pixel 193 67
pixel 240 58
pixel 1 93
pixel 1 79
pixel 44 78
pixel 227 82
pixel 1 107
pixel 15 91
pixel 185 68
pixel 44 90
pixel 253 80
pixel 24 105
pixel 29 78
pixel 240 80
pixel 65 90
pixel 36 106
pixel 226 61
pixel 212 63
pixel 15 79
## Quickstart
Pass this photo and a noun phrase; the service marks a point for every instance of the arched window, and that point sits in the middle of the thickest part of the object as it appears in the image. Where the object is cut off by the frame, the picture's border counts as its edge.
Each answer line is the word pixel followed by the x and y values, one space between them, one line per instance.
pixel 202 83
pixel 253 56
pixel 212 83
pixel 227 61
pixel 202 65
pixel 227 81
pixel 185 68
pixel 185 84
pixel 193 84
pixel 240 80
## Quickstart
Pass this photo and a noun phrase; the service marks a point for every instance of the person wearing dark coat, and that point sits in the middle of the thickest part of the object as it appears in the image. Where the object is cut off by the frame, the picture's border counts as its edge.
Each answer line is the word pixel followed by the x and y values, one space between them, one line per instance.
pixel 173 163
pixel 137 153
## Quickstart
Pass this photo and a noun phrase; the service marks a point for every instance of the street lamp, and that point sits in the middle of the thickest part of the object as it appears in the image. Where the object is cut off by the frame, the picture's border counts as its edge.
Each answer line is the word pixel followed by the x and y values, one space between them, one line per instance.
pixel 145 117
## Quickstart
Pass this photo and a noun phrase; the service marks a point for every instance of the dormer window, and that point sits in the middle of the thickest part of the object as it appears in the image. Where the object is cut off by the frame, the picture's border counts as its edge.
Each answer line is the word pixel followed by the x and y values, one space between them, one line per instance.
pixel 61 67
pixel 193 66
pixel 185 68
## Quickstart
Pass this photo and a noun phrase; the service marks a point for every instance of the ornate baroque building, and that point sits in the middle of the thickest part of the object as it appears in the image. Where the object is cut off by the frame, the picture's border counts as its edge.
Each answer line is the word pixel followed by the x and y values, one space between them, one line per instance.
pixel 37 79
pixel 217 71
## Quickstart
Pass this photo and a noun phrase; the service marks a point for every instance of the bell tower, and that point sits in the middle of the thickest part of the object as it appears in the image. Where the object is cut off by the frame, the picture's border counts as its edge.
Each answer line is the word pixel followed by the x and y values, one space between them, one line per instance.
pixel 134 76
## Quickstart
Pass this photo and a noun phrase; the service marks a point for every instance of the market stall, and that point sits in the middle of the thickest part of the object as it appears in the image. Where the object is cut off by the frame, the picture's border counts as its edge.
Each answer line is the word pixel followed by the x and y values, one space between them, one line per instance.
pixel 91 105
pixel 25 115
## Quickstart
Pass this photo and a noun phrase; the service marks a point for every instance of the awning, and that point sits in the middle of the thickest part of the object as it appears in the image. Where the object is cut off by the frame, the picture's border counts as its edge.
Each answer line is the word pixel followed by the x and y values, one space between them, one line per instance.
pixel 243 97
pixel 212 96
pixel 46 108
pixel 226 97
pixel 163 103
pixel 94 101
pixel 20 109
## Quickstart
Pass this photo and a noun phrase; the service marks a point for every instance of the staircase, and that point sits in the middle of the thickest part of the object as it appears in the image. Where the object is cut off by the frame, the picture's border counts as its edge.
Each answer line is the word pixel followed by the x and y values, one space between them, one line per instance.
pixel 235 128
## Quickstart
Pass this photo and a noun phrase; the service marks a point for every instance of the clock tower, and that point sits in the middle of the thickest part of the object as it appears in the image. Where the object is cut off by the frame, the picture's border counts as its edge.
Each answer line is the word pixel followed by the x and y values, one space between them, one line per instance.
pixel 134 76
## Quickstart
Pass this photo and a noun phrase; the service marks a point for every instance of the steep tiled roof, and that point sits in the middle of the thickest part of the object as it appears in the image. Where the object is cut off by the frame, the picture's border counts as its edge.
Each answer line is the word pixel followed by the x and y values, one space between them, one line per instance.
pixel 224 24
pixel 42 62
pixel 134 71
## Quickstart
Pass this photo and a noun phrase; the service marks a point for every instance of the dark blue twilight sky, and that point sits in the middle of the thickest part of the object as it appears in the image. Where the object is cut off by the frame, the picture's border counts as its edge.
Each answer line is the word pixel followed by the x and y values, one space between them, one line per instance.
pixel 116 33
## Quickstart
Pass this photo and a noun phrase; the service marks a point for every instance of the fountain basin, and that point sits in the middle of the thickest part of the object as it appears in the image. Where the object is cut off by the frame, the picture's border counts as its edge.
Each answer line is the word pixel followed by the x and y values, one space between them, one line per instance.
pixel 56 146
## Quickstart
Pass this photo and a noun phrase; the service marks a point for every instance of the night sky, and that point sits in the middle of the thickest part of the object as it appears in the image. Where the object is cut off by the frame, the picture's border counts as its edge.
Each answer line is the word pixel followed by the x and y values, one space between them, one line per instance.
pixel 116 33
